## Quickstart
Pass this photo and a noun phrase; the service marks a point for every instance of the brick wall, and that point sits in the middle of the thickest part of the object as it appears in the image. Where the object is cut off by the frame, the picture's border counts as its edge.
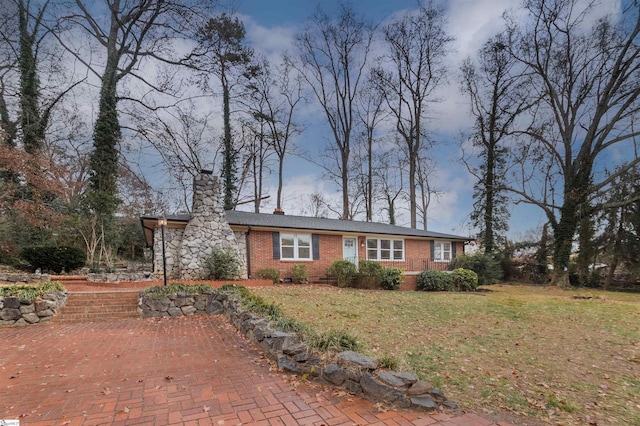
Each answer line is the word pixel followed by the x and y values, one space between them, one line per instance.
pixel 417 255
pixel 261 249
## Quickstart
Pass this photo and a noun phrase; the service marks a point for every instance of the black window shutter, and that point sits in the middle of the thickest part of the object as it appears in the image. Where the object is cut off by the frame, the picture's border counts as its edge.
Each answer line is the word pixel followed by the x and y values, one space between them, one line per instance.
pixel 315 246
pixel 453 249
pixel 433 248
pixel 276 245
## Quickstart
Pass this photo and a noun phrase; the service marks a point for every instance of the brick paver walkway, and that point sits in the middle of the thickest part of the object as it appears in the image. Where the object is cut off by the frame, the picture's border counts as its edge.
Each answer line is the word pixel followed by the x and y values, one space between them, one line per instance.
pixel 182 371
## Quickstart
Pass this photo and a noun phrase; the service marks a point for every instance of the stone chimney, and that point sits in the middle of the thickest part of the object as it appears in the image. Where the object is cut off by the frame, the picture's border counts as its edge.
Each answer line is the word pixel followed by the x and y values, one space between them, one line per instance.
pixel 207 229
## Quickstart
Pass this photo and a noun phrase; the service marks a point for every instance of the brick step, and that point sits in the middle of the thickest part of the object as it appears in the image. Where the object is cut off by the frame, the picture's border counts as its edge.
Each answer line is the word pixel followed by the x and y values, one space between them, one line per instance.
pixel 105 298
pixel 97 306
pixel 93 317
pixel 99 309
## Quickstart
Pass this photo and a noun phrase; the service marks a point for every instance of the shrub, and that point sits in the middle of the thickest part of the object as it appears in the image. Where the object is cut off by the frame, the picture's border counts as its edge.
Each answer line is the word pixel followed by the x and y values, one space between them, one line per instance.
pixel 388 362
pixel 464 279
pixel 54 258
pixel 369 268
pixel 487 266
pixel 270 273
pixel 31 291
pixel 344 271
pixel 160 291
pixel 299 273
pixel 391 278
pixel 434 281
pixel 223 264
pixel 334 340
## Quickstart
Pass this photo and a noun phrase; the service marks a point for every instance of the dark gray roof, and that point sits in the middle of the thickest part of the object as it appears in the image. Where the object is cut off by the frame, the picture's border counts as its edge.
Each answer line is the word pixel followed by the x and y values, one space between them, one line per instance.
pixel 268 220
pixel 320 224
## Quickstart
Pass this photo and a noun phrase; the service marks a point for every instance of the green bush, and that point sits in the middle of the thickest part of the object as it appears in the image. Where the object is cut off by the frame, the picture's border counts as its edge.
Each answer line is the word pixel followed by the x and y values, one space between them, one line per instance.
pixel 270 273
pixel 334 340
pixel 368 275
pixel 369 268
pixel 465 279
pixel 54 258
pixel 391 278
pixel 299 273
pixel 434 281
pixel 487 266
pixel 160 291
pixel 223 264
pixel 344 271
pixel 31 291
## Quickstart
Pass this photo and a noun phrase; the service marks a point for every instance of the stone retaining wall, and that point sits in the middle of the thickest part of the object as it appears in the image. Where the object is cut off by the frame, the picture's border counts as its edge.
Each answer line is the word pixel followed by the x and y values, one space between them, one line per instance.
pixel 19 312
pixel 115 277
pixel 354 372
pixel 22 278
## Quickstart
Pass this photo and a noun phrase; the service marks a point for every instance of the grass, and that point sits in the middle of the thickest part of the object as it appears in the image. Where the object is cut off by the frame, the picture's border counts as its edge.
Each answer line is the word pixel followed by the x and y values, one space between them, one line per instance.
pixel 533 351
pixel 31 291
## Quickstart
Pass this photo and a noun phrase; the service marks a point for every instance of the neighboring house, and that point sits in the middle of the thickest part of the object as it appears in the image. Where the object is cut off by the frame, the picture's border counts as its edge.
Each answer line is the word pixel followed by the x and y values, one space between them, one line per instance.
pixel 281 241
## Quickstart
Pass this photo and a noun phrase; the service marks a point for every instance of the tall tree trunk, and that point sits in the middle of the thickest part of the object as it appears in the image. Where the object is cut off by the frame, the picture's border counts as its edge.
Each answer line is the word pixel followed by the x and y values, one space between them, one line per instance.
pixel 228 166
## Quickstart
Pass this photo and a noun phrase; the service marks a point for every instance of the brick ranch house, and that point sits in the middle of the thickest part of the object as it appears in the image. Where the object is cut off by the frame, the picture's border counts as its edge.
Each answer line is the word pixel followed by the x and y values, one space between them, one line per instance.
pixel 280 241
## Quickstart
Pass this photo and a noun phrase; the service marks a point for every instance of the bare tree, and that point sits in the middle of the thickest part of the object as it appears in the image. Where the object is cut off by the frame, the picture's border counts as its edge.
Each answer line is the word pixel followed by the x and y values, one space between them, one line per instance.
pixel 414 69
pixel 370 112
pixel 497 99
pixel 222 52
pixel 126 34
pixel 334 55
pixel 185 141
pixel 425 191
pixel 277 93
pixel 586 75
pixel 389 177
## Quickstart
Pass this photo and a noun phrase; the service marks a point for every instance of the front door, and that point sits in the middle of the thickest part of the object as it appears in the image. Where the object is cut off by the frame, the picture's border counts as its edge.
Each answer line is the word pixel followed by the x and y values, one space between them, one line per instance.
pixel 350 249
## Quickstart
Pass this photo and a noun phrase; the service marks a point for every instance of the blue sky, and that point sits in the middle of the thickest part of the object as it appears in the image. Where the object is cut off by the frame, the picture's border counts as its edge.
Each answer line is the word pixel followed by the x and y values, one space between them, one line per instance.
pixel 271 28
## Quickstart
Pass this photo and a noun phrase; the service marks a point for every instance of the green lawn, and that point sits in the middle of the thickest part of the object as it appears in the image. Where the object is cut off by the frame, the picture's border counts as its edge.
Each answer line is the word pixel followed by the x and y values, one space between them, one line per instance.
pixel 532 351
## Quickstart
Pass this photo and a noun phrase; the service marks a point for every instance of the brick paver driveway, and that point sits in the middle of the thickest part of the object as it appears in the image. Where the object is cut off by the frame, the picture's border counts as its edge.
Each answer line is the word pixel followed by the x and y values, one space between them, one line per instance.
pixel 182 371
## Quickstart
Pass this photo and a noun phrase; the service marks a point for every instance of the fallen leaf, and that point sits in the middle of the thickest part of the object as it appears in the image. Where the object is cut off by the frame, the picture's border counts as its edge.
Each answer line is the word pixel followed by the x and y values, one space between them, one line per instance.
pixel 106 391
pixel 205 408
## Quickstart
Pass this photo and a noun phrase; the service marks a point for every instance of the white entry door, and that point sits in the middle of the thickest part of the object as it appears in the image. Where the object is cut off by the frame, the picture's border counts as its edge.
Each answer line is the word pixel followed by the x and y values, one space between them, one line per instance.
pixel 350 249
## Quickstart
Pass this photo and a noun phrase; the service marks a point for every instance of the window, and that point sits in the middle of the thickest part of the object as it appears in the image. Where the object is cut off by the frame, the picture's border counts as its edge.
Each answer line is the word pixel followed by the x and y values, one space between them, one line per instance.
pixel 442 251
pixel 295 246
pixel 385 249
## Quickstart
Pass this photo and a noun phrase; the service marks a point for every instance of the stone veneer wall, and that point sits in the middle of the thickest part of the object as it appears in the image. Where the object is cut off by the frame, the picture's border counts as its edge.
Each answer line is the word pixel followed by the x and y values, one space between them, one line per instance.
pixel 186 250
pixel 172 239
pixel 19 312
pixel 23 278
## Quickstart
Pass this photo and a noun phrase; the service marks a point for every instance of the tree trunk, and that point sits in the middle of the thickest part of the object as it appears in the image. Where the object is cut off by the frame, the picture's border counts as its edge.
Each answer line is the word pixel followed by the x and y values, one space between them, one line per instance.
pixel 412 188
pixel 345 182
pixel 228 154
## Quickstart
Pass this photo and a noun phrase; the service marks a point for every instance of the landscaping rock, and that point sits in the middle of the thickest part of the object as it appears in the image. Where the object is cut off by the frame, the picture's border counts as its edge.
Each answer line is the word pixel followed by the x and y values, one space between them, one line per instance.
pixel 214 308
pixel 188 310
pixel 419 388
pixel 10 314
pixel 396 379
pixel 351 359
pixel 174 311
pixel 31 318
pixel 281 339
pixel 45 313
pixel 20 323
pixel 425 402
pixel 12 303
pixel 335 374
pixel 377 390
pixel 27 309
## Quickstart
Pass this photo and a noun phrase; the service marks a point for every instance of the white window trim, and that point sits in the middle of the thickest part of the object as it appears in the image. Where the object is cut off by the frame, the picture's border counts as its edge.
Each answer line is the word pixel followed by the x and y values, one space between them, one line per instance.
pixel 295 248
pixel 379 248
pixel 442 243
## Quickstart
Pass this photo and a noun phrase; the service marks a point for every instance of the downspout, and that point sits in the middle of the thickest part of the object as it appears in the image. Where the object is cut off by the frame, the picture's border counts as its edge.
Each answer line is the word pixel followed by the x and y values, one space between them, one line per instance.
pixel 247 242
